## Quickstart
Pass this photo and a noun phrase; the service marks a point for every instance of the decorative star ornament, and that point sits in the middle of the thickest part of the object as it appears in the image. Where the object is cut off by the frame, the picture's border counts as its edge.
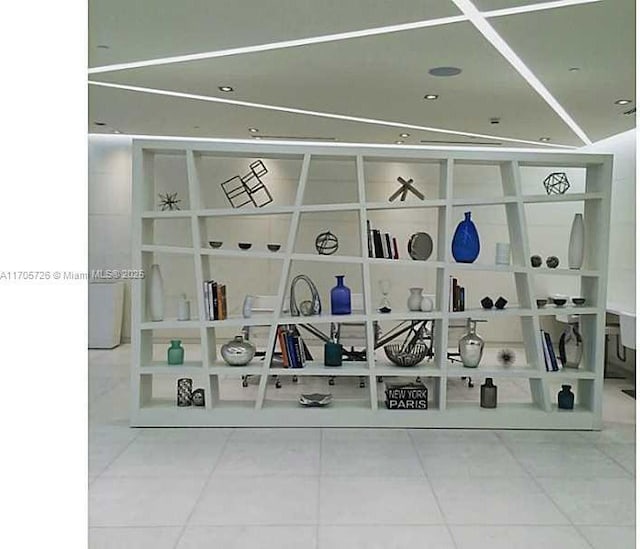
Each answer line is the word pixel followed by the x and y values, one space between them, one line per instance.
pixel 169 201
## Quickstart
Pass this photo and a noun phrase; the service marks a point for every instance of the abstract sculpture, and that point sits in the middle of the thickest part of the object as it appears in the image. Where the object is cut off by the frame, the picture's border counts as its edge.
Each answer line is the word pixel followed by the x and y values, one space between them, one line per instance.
pixel 305 308
pixel 405 187
pixel 556 183
pixel 326 243
pixel 249 188
pixel 169 201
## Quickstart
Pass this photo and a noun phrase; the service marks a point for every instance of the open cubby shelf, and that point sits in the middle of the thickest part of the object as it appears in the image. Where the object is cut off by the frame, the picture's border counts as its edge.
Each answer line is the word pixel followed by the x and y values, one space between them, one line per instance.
pixel 260 404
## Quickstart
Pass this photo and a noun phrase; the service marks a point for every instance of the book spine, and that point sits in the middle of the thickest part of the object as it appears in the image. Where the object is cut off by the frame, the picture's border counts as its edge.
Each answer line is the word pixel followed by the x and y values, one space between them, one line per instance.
pixel 387 243
pixel 224 302
pixel 214 300
pixel 291 352
pixel 450 293
pixel 298 348
pixel 545 352
pixel 461 297
pixel 456 297
pixel 283 347
pixel 377 243
pixel 369 239
pixel 552 354
pixel 219 290
pixel 395 249
pixel 206 299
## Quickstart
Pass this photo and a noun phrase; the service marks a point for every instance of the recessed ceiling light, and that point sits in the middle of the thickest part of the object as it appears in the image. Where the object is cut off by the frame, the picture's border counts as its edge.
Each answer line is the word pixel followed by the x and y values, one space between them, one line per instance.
pixel 102 47
pixel 99 123
pixel 404 135
pixel 257 137
pixel 254 130
pixel 445 71
pixel 623 101
pixel 431 96
pixel 116 131
pixel 196 127
pixel 574 69
pixel 399 142
pixel 494 120
pixel 225 88
pixel 545 139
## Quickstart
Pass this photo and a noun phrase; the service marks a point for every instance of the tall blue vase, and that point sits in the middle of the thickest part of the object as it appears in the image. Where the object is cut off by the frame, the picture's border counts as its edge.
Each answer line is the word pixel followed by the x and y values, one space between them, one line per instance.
pixel 340 298
pixel 466 242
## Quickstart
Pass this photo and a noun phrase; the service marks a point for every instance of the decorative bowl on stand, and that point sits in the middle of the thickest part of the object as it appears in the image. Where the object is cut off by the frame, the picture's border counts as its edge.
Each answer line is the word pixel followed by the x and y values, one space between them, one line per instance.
pixel 401 356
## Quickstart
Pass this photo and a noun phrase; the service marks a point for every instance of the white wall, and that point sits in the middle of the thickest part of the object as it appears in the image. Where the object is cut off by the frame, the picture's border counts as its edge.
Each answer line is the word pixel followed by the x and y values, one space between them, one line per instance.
pixel 549 225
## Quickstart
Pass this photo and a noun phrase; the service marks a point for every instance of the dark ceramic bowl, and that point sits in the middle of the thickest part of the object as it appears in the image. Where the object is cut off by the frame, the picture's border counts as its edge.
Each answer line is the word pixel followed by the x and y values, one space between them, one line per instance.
pixel 244 245
pixel 541 303
pixel 215 243
pixel 559 302
pixel 579 301
pixel 273 247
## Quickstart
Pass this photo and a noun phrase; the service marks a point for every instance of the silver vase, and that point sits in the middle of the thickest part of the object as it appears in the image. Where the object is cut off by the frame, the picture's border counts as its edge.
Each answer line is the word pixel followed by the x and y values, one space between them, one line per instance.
pixel 471 346
pixel 238 351
pixel 571 346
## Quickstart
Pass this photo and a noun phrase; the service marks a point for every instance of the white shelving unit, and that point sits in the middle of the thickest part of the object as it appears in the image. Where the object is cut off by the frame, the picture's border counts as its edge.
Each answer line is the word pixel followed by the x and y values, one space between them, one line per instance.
pixel 368 409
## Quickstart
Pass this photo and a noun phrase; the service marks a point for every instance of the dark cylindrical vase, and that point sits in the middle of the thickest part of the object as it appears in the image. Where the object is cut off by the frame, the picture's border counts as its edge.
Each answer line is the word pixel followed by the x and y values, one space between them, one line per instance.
pixel 488 394
pixel 340 298
pixel 566 398
pixel 465 247
pixel 332 354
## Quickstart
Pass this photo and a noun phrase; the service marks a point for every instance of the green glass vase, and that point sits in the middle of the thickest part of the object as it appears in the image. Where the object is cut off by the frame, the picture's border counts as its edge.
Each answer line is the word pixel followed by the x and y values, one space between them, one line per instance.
pixel 175 353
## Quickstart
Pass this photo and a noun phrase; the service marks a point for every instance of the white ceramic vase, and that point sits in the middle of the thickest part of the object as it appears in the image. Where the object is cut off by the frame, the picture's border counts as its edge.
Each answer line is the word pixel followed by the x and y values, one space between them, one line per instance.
pixel 155 294
pixel 427 303
pixel 414 303
pixel 576 243
pixel 184 308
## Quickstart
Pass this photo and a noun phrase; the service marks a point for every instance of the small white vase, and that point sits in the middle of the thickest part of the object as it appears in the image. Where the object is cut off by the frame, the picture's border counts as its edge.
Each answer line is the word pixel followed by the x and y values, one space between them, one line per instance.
pixel 576 243
pixel 155 294
pixel 415 299
pixel 247 306
pixel 184 308
pixel 427 303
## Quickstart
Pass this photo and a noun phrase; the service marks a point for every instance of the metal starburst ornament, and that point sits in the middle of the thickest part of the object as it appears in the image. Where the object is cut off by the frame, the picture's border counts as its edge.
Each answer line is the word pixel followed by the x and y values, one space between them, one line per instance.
pixel 506 357
pixel 169 201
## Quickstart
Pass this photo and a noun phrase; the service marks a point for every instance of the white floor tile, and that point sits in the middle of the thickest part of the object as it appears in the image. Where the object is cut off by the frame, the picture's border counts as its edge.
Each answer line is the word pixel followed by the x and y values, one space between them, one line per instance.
pixel 172 458
pixel 142 501
pixel 541 437
pixel 568 460
pixel 384 537
pixel 277 458
pixel 248 537
pixel 619 433
pixel 463 459
pixel 610 537
pixel 133 538
pixel 186 435
pixel 436 436
pixel 370 435
pixel 257 501
pixel 368 458
pixel 595 501
pixel 623 454
pixel 274 435
pixel 518 537
pixel 373 500
pixel 106 443
pixel 487 501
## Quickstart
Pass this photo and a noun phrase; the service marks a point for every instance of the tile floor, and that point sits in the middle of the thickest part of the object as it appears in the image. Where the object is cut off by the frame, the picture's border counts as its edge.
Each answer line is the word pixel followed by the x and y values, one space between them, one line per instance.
pixel 353 488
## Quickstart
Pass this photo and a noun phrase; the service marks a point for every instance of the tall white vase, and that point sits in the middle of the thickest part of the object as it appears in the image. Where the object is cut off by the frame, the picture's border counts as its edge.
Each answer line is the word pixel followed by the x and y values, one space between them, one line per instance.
pixel 155 294
pixel 576 243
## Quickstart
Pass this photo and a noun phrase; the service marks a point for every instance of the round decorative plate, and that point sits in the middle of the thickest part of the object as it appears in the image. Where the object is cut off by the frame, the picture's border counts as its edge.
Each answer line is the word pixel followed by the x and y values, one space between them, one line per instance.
pixel 420 246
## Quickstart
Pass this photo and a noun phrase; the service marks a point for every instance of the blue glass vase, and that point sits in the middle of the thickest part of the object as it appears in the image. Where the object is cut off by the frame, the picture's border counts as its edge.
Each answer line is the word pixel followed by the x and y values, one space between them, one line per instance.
pixel 340 298
pixel 466 242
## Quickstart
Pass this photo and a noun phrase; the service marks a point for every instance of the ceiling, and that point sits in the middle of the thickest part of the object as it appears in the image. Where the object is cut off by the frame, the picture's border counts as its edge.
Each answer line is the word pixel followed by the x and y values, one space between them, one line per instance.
pixel 378 82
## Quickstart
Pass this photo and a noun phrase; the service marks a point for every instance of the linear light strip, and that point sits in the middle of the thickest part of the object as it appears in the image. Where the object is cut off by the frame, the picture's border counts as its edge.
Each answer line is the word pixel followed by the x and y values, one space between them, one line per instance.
pixel 467 7
pixel 334 116
pixel 337 144
pixel 281 45
pixel 536 7
pixel 330 37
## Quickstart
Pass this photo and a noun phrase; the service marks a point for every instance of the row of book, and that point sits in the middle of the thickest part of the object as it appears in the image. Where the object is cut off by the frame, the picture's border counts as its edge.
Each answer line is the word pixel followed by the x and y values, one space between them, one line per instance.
pixel 215 300
pixel 381 245
pixel 292 347
pixel 456 295
pixel 551 362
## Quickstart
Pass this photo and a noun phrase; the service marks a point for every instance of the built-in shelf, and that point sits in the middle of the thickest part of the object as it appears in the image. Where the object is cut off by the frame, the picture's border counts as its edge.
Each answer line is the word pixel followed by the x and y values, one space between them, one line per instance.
pixel 264 405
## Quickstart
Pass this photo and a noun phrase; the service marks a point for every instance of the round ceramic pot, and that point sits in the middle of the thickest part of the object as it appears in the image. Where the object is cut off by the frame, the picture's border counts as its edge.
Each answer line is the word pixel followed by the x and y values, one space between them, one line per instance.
pixel 428 303
pixel 238 351
pixel 414 303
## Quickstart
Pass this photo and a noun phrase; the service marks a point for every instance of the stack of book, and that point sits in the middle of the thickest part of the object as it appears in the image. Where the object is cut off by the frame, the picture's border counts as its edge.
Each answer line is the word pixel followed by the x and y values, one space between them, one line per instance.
pixel 456 295
pixel 381 245
pixel 550 360
pixel 292 347
pixel 215 300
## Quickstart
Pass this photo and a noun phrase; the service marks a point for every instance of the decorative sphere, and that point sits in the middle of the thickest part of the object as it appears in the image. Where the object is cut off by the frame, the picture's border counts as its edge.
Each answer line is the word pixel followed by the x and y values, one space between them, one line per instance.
pixel 552 262
pixel 556 183
pixel 327 243
pixel 536 261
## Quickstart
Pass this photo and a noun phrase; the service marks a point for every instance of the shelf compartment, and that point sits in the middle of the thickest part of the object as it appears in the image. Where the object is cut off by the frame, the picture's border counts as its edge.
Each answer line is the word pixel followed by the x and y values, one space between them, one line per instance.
pixel 430 382
pixel 193 367
pixel 316 368
pixel 174 232
pixel 381 177
pixel 343 224
pixel 160 391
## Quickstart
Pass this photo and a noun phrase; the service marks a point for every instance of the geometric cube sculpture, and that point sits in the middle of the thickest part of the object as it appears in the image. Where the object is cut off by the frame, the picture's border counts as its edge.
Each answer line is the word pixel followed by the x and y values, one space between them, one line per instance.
pixel 556 183
pixel 241 190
